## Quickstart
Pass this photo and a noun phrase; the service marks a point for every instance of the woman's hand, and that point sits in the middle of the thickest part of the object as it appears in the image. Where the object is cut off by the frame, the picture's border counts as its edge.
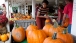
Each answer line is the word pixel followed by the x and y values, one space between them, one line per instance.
pixel 46 17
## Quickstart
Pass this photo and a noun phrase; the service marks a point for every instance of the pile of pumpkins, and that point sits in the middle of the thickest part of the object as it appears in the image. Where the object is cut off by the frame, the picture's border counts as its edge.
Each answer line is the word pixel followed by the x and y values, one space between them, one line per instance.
pixel 49 34
pixel 19 16
pixel 4 37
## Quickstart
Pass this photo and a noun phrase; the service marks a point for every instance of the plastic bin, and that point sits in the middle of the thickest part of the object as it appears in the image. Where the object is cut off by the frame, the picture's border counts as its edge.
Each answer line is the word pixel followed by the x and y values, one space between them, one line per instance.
pixel 24 23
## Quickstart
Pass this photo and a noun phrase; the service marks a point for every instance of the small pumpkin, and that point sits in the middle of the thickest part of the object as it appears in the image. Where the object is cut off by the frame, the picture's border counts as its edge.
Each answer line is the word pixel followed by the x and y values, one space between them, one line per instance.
pixel 66 22
pixel 24 16
pixel 65 36
pixel 36 36
pixel 46 29
pixel 8 34
pixel 53 39
pixel 31 28
pixel 4 37
pixel 47 21
pixel 18 34
pixel 29 17
pixel 0 36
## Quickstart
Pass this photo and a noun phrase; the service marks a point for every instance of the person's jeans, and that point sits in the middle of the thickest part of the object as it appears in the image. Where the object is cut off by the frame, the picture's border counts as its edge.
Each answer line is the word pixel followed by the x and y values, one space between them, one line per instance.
pixel 69 28
pixel 59 22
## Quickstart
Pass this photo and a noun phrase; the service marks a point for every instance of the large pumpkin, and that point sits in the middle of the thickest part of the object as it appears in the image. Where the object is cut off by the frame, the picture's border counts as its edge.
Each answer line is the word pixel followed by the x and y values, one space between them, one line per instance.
pixel 30 28
pixel 55 28
pixel 46 29
pixel 36 36
pixel 65 36
pixel 53 39
pixel 18 34
pixel 66 22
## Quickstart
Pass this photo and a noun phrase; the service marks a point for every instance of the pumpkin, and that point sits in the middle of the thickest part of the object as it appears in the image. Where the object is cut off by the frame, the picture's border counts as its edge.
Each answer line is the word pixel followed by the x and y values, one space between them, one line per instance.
pixel 31 28
pixel 65 36
pixel 47 21
pixel 55 28
pixel 18 34
pixel 29 17
pixel 53 39
pixel 8 34
pixel 24 16
pixel 46 29
pixel 15 18
pixel 4 37
pixel 36 36
pixel 0 36
pixel 66 22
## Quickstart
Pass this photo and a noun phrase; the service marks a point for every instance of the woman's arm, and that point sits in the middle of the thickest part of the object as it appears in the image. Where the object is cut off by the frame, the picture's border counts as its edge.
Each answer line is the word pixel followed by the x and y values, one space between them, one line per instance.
pixel 59 16
pixel 38 15
pixel 63 18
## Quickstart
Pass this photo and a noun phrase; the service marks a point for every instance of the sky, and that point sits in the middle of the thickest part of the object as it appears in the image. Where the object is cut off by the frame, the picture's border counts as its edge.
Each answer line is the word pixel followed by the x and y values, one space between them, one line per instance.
pixel 2 1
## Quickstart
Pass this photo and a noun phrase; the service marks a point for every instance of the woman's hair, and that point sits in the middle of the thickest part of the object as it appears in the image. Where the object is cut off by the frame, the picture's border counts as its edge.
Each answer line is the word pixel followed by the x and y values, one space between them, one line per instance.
pixel 45 1
pixel 69 0
pixel 61 6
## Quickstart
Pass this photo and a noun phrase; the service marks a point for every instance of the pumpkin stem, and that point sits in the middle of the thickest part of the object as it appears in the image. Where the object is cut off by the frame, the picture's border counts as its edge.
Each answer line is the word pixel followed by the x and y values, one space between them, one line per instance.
pixel 55 24
pixel 65 31
pixel 16 25
pixel 54 36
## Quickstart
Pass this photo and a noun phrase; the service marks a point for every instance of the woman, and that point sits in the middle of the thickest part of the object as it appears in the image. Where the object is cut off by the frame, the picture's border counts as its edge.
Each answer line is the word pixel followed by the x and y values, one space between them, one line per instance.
pixel 68 11
pixel 60 14
pixel 40 19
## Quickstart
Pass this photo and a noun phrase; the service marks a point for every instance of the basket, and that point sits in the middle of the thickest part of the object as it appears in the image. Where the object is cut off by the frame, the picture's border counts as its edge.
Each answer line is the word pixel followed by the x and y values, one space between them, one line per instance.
pixel 25 23
pixel 8 30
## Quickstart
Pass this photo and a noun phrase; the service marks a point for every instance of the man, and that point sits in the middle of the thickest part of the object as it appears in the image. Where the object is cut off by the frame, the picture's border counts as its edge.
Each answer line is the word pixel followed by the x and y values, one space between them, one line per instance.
pixel 68 11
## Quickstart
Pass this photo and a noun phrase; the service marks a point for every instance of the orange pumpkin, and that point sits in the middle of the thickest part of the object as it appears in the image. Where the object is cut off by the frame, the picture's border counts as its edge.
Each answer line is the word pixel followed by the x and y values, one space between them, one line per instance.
pixel 66 22
pixel 24 17
pixel 18 34
pixel 55 28
pixel 4 37
pixel 31 28
pixel 46 29
pixel 29 17
pixel 8 34
pixel 36 36
pixel 65 36
pixel 47 21
pixel 53 39
pixel 0 36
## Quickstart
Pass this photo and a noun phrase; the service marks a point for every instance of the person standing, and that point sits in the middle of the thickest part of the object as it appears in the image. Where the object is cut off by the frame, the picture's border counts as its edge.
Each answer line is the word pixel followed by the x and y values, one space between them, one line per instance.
pixel 68 11
pixel 4 9
pixel 42 14
pixel 60 14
